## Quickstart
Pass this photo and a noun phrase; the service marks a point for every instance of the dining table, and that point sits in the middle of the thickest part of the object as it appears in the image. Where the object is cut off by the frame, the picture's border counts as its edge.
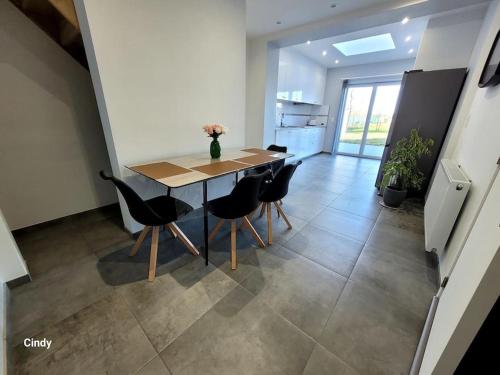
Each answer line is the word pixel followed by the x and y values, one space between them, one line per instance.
pixel 181 171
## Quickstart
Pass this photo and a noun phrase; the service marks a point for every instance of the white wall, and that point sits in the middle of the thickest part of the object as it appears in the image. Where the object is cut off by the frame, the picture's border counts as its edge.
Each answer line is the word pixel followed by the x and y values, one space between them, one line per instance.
pixel 51 143
pixel 334 83
pixel 161 70
pixel 449 39
pixel 474 139
pixel 471 292
pixel 12 265
pixel 473 285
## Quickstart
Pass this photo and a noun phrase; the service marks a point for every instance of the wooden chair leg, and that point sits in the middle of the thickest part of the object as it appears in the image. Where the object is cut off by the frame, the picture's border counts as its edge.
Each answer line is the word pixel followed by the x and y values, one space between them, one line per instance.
pixel 269 225
pixel 280 210
pixel 139 241
pixel 171 231
pixel 215 230
pixel 233 245
pixel 184 239
pixel 262 209
pixel 254 233
pixel 154 253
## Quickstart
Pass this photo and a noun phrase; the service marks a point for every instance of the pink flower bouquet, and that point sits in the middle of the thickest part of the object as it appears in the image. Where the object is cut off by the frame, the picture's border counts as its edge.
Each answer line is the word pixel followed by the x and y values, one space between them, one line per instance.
pixel 214 130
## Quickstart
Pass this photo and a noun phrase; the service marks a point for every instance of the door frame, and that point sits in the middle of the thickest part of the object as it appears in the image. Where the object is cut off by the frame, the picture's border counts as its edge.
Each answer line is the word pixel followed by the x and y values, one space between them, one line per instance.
pixel 375 84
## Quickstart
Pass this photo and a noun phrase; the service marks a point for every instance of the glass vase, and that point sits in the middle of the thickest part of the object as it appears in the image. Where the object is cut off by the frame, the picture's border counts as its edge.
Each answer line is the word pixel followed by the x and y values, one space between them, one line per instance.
pixel 215 149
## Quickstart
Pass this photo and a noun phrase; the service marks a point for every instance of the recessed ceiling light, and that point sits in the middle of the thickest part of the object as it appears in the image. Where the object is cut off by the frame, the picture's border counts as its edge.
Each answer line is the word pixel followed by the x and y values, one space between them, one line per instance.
pixel 411 50
pixel 308 42
pixel 337 61
pixel 376 43
pixel 324 53
pixel 405 20
pixel 408 38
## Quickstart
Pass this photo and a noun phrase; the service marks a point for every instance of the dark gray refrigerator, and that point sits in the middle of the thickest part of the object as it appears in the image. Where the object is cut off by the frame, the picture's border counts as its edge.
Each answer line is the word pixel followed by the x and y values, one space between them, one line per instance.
pixel 426 102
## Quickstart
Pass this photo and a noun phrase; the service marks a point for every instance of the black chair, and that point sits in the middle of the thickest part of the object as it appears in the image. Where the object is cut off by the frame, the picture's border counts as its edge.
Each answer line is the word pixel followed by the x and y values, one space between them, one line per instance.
pixel 243 200
pixel 153 213
pixel 273 193
pixel 274 167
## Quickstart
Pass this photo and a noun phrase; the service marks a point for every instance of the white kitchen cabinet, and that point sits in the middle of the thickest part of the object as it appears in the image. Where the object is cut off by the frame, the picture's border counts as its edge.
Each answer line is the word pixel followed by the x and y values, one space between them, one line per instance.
pixel 301 141
pixel 300 79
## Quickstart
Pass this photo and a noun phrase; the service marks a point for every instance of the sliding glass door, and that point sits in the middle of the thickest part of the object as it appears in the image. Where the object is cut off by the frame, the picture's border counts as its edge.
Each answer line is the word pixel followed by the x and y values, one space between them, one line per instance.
pixel 365 117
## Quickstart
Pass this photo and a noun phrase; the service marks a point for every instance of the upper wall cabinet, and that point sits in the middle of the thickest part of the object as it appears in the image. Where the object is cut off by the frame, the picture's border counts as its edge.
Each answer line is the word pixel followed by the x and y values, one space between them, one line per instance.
pixel 300 79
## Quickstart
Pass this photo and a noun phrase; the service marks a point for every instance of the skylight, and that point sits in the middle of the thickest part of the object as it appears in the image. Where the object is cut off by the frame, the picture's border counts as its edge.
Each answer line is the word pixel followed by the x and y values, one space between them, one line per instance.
pixel 374 43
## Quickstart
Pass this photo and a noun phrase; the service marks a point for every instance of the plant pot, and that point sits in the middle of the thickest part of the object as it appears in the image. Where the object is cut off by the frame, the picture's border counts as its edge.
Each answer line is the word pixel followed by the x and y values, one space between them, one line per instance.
pixel 393 197
pixel 215 149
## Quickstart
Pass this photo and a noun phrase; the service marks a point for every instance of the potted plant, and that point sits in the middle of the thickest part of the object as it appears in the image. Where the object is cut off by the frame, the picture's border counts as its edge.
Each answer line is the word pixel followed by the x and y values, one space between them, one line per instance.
pixel 401 171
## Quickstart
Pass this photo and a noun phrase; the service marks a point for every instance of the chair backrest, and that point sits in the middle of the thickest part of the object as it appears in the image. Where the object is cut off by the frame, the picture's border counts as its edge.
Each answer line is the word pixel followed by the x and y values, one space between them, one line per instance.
pixel 277 148
pixel 278 188
pixel 139 209
pixel 277 165
pixel 245 194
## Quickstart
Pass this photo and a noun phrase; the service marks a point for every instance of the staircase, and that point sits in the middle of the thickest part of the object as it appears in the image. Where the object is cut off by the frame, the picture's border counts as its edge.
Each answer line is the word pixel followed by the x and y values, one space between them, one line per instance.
pixel 58 19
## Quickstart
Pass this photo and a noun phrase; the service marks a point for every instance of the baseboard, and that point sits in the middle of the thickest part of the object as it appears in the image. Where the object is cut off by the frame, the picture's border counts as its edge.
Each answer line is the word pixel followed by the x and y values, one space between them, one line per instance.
pixel 4 292
pixel 19 281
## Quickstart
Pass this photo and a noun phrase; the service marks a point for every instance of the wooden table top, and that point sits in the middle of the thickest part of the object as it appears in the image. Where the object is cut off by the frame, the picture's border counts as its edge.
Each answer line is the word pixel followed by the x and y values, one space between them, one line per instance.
pixel 189 169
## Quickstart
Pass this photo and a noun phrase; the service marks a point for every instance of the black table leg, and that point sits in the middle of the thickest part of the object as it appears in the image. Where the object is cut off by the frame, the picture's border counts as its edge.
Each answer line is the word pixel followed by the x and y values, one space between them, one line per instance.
pixel 205 220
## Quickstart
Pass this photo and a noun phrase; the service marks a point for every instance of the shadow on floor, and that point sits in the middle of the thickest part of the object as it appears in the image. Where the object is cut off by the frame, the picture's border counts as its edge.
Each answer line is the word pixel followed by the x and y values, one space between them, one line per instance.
pixel 118 268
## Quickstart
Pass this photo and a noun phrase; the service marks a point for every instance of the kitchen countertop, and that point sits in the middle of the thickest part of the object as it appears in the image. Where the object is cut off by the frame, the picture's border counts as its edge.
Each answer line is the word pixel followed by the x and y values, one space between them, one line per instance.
pixel 301 127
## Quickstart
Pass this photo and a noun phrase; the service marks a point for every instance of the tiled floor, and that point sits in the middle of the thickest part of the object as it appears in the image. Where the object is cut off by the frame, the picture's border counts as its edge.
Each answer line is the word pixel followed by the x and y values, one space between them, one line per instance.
pixel 346 291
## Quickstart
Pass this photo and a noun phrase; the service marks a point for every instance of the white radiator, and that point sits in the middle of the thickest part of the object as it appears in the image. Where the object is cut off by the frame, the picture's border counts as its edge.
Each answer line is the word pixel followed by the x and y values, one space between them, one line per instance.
pixel 445 199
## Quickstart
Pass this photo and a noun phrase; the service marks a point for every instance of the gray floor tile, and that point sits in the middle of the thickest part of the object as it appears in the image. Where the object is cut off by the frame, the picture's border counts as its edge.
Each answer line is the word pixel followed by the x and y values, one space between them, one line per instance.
pixel 53 247
pixel 412 284
pixel 281 233
pixel 298 289
pixel 345 223
pixel 301 205
pixel 102 338
pixel 174 301
pixel 398 241
pixel 366 206
pixel 409 217
pixel 322 362
pixel 54 296
pixel 371 332
pixel 239 335
pixel 154 367
pixel 104 233
pixel 333 251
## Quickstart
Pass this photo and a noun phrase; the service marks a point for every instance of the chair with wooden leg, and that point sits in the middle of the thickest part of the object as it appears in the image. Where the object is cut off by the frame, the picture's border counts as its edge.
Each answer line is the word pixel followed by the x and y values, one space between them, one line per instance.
pixel 242 201
pixel 273 193
pixel 153 214
pixel 274 167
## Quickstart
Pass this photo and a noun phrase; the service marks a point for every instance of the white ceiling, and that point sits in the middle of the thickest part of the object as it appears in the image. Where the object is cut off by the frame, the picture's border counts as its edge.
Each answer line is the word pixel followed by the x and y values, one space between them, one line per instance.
pixel 399 32
pixel 262 15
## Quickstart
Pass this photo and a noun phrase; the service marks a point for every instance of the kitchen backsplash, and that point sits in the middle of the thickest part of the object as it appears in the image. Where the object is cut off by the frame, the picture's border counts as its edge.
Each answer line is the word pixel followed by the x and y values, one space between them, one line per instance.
pixel 313 114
